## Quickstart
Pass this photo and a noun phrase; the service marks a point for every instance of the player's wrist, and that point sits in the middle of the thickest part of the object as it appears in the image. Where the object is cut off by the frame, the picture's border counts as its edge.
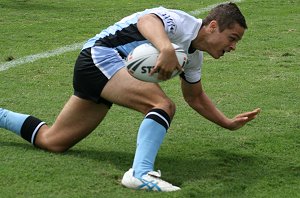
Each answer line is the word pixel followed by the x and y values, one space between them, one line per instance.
pixel 228 124
pixel 167 49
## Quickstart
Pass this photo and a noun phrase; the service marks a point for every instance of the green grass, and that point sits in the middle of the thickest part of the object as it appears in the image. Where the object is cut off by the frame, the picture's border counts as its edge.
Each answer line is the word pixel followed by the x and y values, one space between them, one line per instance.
pixel 260 160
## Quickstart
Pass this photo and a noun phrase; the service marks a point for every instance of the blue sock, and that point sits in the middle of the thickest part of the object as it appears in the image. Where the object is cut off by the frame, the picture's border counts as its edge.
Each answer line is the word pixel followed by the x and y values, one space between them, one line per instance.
pixel 12 121
pixel 23 125
pixel 150 136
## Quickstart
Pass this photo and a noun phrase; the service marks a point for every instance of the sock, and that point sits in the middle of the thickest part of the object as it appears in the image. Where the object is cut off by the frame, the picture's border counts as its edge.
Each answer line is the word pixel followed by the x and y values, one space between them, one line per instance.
pixel 150 136
pixel 23 125
pixel 12 121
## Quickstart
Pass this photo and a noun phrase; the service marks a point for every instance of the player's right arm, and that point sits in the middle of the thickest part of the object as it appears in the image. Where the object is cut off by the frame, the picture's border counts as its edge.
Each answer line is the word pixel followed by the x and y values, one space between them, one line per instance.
pixel 152 28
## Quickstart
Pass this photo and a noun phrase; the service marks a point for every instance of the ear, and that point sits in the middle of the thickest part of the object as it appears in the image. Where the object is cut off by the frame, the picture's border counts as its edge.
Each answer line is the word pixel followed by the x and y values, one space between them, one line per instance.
pixel 212 26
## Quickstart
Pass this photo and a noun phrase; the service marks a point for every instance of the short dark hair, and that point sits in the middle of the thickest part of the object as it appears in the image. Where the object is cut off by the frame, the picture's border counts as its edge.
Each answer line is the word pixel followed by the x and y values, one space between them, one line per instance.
pixel 226 15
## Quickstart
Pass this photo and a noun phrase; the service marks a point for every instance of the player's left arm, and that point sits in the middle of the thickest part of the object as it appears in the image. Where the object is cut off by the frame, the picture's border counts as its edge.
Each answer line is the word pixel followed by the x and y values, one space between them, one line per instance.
pixel 195 96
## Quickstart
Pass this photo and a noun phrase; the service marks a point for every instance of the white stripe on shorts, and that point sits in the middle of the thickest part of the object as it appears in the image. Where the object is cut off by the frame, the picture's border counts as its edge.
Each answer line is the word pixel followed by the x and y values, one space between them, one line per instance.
pixel 107 60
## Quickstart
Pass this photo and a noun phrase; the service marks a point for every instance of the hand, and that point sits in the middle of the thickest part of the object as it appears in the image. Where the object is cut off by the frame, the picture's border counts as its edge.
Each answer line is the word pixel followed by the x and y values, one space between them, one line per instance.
pixel 241 119
pixel 166 63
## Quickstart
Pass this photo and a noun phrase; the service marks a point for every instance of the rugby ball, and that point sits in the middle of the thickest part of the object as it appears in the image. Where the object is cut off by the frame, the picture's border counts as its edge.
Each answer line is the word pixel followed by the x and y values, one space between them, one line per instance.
pixel 142 59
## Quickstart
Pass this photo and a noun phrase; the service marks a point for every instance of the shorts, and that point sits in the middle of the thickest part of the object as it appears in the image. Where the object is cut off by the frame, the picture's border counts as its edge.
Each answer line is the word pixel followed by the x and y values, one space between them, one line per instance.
pixel 93 69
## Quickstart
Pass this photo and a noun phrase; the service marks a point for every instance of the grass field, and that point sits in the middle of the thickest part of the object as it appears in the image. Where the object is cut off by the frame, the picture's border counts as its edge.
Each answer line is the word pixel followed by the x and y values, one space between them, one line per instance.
pixel 260 160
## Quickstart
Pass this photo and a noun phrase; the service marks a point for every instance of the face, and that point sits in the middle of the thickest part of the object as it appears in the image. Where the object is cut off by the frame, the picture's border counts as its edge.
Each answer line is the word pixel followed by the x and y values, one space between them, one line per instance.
pixel 221 42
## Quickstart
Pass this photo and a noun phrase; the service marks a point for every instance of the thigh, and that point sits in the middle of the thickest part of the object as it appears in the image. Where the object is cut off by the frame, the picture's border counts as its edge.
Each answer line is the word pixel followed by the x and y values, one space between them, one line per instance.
pixel 93 69
pixel 78 118
pixel 125 90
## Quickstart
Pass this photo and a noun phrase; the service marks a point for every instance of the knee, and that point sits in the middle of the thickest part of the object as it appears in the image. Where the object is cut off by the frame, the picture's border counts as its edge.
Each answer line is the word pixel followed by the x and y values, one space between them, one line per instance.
pixel 170 108
pixel 167 105
pixel 46 143
pixel 57 149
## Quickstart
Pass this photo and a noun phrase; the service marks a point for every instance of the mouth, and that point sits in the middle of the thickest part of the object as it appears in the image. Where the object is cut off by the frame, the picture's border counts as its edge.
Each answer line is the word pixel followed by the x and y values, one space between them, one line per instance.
pixel 225 51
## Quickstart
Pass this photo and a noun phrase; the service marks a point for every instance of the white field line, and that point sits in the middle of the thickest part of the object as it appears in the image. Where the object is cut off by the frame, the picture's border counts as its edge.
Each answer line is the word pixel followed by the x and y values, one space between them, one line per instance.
pixel 76 46
pixel 35 57
pixel 208 8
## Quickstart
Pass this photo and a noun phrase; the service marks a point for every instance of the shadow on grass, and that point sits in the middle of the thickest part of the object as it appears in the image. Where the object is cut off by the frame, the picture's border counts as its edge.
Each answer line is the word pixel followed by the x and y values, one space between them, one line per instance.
pixel 233 169
pixel 25 146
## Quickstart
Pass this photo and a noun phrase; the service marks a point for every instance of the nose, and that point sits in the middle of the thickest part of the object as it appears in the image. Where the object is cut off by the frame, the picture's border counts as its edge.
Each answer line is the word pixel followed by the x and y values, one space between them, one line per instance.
pixel 233 46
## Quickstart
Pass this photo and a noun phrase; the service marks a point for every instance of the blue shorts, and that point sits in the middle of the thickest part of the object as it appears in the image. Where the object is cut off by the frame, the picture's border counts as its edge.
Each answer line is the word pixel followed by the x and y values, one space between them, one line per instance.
pixel 93 69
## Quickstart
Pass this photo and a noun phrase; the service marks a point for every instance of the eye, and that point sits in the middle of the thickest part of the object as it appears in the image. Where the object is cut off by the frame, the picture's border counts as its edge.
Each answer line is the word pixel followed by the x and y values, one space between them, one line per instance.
pixel 231 39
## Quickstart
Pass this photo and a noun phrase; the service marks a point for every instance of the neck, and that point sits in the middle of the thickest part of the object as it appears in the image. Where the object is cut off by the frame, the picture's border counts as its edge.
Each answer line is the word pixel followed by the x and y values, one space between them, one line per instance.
pixel 200 41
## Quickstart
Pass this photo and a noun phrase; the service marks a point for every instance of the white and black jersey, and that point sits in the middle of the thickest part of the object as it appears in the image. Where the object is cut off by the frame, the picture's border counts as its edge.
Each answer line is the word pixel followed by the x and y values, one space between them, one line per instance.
pixel 181 28
pixel 103 55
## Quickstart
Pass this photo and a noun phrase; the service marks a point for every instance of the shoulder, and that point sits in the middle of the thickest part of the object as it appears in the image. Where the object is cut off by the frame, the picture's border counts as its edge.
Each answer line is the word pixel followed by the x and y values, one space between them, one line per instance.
pixel 172 14
pixel 195 60
pixel 192 70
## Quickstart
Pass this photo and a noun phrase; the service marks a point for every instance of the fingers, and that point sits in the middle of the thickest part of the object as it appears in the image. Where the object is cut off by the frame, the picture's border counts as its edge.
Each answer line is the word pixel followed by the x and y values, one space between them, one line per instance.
pixel 250 114
pixel 241 119
pixel 258 110
pixel 162 73
pixel 249 118
pixel 166 64
pixel 254 114
pixel 154 70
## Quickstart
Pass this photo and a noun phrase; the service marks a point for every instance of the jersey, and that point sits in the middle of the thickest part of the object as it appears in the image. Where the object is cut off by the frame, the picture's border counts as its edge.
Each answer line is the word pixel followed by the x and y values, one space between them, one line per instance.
pixel 180 27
